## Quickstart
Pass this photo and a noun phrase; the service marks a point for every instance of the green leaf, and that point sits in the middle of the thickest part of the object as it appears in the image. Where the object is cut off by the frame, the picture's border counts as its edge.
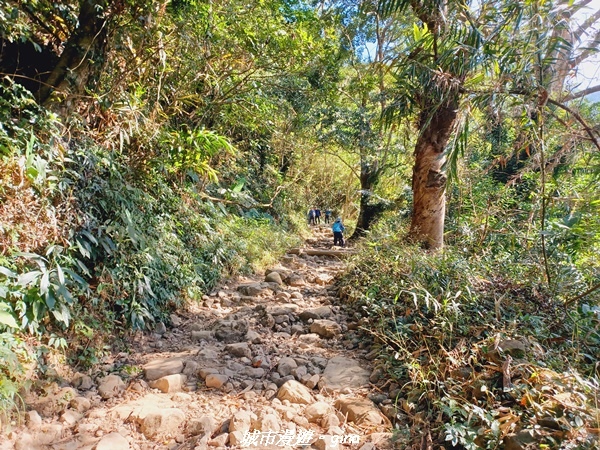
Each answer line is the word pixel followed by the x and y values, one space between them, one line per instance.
pixel 50 300
pixel 25 279
pixel 8 319
pixel 61 275
pixel 45 283
pixel 7 272
pixel 89 235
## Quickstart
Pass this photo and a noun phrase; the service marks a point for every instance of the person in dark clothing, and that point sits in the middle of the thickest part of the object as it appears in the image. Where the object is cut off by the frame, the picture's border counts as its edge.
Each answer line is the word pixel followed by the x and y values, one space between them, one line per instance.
pixel 317 215
pixel 338 232
pixel 311 216
pixel 327 215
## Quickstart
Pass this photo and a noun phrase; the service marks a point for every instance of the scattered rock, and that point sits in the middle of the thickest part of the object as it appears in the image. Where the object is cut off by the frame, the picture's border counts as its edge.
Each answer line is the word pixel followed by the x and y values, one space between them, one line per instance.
pixel 230 331
pixel 267 422
pixel 376 375
pixel 70 417
pixel 274 277
pixel 342 373
pixel 33 420
pixel 206 371
pixel 253 337
pixel 241 421
pixel 236 438
pixel 295 280
pixel 315 412
pixel 283 297
pixel 295 392
pixel 83 382
pixel 325 328
pixel 162 367
pixel 80 404
pixel 110 386
pixel 330 420
pixel 170 383
pixel 254 372
pixel 361 411
pixel 112 441
pixel 299 372
pixel 312 382
pixel 176 320
pixel 215 380
pixel 202 335
pixel 204 425
pixel 286 365
pixel 251 289
pixel 160 328
pixel 322 279
pixel 513 347
pixel 327 442
pixel 191 368
pixel 161 422
pixel 240 349
pixel 219 441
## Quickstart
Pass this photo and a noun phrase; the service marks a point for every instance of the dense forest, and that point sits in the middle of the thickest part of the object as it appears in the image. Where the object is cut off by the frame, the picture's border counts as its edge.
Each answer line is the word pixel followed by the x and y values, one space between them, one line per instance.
pixel 150 150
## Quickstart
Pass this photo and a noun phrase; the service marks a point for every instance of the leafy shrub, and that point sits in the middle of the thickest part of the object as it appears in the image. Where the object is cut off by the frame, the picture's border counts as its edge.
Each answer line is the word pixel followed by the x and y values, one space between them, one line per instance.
pixel 441 320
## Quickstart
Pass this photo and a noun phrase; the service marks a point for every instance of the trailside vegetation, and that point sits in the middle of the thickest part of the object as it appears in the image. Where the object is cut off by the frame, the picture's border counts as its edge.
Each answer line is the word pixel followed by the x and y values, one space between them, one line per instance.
pixel 149 149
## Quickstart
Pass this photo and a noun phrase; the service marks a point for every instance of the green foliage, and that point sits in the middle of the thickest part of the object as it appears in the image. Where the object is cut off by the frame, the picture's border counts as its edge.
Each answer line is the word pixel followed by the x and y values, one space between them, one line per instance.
pixel 23 123
pixel 440 319
pixel 192 151
pixel 12 356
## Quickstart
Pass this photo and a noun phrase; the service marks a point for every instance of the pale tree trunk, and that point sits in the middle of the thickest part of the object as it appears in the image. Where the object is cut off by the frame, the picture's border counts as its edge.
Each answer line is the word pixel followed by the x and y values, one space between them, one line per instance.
pixel 429 179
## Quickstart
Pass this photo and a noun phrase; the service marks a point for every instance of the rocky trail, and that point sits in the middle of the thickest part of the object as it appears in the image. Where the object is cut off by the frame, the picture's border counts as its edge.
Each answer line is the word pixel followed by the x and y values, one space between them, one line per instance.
pixel 264 362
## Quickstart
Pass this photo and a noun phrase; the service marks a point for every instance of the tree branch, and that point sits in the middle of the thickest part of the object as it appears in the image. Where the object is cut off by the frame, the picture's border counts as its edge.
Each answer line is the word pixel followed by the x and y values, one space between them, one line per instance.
pixel 579 119
pixel 584 294
pixel 582 93
pixel 585 25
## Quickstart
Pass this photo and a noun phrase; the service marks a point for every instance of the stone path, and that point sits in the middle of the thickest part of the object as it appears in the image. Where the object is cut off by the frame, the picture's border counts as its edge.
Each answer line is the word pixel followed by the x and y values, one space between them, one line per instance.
pixel 268 362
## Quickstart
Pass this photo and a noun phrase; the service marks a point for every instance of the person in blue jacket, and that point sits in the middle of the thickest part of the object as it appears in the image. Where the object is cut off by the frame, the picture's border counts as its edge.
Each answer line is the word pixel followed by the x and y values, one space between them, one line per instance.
pixel 338 232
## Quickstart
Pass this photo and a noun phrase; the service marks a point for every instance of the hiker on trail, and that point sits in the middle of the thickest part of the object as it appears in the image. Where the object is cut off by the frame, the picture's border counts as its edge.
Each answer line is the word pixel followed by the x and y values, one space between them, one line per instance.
pixel 327 215
pixel 311 216
pixel 338 232
pixel 317 215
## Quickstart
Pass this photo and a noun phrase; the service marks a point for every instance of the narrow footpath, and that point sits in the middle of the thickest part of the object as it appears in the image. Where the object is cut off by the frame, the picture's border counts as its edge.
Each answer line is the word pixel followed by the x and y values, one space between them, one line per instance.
pixel 265 362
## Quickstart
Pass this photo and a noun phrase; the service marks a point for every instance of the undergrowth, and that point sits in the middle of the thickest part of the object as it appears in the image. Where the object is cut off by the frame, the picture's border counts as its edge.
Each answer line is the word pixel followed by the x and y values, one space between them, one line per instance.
pixel 481 352
pixel 93 245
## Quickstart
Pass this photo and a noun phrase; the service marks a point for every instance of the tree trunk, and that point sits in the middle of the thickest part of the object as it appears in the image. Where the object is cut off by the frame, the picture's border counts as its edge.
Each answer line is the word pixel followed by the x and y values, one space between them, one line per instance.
pixel 429 179
pixel 369 176
pixel 84 48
